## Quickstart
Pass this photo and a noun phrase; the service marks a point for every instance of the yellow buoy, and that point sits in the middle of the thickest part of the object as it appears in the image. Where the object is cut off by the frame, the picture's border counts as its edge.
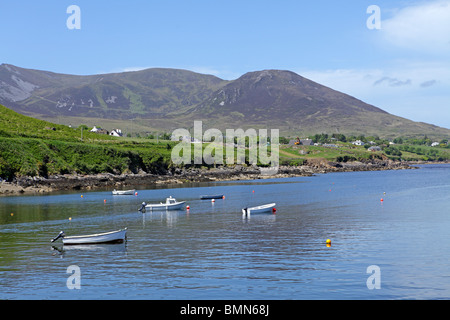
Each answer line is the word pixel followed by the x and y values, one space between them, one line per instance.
pixel 12 214
pixel 82 196
pixel 70 218
pixel 328 241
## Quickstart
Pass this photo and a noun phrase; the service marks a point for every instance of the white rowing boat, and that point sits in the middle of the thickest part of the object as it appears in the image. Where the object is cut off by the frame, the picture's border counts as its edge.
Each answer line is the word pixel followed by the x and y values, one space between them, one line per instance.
pixel 106 237
pixel 265 208
pixel 171 204
pixel 123 192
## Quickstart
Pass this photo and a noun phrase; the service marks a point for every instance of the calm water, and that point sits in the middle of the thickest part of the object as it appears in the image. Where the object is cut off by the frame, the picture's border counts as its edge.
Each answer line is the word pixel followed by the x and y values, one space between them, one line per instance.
pixel 211 252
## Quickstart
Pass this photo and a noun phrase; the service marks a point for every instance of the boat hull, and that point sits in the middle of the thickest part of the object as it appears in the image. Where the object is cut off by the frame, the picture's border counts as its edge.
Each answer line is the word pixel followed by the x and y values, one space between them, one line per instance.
pixel 267 208
pixel 164 206
pixel 107 237
pixel 207 197
pixel 123 192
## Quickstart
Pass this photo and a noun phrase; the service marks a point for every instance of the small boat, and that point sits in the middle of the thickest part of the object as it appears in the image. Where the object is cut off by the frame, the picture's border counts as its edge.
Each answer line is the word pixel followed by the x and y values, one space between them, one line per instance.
pixel 266 208
pixel 107 237
pixel 123 192
pixel 171 204
pixel 215 196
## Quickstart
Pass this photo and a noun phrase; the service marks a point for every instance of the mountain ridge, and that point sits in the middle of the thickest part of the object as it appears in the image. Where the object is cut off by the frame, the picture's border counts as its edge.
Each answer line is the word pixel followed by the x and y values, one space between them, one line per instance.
pixel 164 99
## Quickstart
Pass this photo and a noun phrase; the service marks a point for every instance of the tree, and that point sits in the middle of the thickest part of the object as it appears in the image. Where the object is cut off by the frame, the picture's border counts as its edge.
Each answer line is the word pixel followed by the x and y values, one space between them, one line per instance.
pixel 398 140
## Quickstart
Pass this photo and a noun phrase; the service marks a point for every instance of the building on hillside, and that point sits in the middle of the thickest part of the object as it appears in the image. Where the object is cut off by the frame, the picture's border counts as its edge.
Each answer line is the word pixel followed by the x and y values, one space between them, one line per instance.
pixel 99 130
pixel 116 133
pixel 306 142
pixel 358 143
pixel 435 144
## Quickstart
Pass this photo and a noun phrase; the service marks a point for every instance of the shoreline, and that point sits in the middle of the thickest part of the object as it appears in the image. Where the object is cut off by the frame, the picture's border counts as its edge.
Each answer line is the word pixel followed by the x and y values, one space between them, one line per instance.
pixel 71 182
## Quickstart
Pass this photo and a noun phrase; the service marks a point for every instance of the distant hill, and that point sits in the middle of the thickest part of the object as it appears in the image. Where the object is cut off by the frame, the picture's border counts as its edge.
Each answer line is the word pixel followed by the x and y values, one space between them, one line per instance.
pixel 148 93
pixel 165 99
pixel 283 99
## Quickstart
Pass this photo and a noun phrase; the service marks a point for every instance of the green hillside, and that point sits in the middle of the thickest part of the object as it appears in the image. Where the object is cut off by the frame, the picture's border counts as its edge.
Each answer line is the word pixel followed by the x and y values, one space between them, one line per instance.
pixel 31 147
pixel 13 124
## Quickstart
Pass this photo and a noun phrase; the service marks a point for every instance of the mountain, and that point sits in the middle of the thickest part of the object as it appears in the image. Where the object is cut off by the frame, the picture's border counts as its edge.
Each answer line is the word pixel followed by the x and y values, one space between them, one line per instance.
pixel 284 99
pixel 166 99
pixel 148 93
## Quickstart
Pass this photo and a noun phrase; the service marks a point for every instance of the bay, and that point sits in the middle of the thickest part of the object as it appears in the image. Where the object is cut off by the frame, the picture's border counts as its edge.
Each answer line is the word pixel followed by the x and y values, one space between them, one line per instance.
pixel 212 252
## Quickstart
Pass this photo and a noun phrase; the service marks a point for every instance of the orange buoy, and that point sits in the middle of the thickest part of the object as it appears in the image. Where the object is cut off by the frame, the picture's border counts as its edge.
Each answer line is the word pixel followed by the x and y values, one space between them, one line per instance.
pixel 381 200
pixel 274 210
pixel 135 193
pixel 223 197
pixel 104 201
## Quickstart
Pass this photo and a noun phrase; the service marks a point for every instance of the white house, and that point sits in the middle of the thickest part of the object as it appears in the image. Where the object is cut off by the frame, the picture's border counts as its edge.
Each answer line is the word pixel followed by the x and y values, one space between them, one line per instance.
pixel 358 143
pixel 99 130
pixel 435 144
pixel 116 133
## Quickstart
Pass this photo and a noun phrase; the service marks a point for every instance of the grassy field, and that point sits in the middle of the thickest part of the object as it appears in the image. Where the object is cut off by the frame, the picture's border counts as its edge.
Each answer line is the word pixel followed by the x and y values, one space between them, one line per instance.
pixel 348 152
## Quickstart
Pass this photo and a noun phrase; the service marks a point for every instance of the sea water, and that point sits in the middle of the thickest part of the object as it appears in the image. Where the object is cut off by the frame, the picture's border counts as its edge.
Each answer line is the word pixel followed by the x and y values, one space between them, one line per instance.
pixel 389 228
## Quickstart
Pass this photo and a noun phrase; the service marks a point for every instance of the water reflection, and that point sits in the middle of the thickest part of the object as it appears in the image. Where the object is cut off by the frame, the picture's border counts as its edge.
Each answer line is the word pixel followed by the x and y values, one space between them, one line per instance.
pixel 169 218
pixel 212 252
pixel 96 248
pixel 260 218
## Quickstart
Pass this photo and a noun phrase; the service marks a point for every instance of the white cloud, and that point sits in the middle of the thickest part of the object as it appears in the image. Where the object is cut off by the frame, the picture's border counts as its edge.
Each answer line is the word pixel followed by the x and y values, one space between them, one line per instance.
pixel 413 90
pixel 424 27
pixel 392 82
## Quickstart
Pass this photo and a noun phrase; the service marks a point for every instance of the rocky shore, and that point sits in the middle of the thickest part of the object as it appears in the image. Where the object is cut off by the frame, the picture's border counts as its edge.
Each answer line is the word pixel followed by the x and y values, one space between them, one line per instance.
pixel 36 185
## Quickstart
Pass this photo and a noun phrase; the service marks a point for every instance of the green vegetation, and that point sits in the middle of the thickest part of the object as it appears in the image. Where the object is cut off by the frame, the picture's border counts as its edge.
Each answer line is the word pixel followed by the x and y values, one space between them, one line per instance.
pixel 31 147
pixel 339 148
pixel 135 100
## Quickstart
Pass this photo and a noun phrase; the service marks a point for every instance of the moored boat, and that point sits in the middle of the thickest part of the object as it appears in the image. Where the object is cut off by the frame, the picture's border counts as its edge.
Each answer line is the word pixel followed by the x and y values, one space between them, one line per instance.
pixel 123 192
pixel 171 204
pixel 214 196
pixel 117 236
pixel 265 208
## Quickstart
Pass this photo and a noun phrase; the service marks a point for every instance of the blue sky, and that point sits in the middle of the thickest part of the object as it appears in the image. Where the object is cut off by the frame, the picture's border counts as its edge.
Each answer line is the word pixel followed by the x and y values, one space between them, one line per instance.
pixel 403 68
